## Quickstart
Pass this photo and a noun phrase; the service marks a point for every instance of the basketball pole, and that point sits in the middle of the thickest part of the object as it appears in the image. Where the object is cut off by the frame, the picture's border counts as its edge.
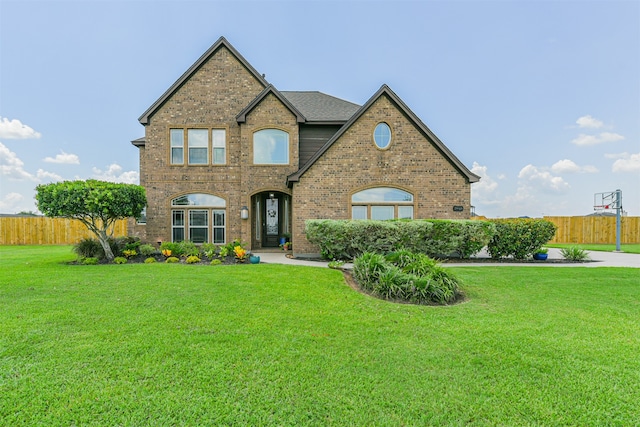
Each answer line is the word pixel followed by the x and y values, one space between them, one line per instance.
pixel 618 221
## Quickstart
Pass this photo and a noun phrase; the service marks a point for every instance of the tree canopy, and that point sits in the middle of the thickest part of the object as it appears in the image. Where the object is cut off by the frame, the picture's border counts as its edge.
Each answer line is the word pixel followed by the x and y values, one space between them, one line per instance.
pixel 97 204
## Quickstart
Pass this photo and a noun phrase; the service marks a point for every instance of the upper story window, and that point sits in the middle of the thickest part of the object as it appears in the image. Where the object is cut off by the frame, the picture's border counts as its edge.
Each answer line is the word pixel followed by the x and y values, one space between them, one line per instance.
pixel 198 144
pixel 382 135
pixel 382 203
pixel 271 147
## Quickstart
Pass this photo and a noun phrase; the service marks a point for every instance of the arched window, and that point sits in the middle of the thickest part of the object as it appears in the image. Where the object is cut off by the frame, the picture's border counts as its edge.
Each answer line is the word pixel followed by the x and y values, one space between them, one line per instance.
pixel 382 203
pixel 271 147
pixel 200 219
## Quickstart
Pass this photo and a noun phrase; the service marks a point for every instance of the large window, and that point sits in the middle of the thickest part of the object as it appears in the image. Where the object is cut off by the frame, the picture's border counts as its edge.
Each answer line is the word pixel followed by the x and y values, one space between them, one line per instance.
pixel 199 142
pixel 200 218
pixel 271 147
pixel 382 203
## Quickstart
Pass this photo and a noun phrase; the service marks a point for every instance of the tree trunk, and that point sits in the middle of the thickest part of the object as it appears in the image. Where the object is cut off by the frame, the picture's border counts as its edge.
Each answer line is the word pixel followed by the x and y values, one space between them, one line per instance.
pixel 104 241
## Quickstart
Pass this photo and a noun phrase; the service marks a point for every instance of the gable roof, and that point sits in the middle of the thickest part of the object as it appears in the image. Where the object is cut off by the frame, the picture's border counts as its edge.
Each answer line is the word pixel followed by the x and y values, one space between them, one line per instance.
pixel 321 108
pixel 242 116
pixel 144 118
pixel 385 90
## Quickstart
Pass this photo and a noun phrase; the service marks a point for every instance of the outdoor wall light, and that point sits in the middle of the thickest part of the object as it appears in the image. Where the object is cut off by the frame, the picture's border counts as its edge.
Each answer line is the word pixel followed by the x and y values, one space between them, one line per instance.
pixel 244 213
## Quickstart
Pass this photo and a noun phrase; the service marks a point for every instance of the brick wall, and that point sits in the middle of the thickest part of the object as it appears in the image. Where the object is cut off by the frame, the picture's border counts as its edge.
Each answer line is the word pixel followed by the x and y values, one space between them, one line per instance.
pixel 354 163
pixel 212 97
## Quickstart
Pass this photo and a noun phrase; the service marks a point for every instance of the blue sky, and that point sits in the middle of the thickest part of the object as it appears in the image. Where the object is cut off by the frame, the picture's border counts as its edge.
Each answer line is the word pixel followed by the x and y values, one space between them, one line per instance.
pixel 540 98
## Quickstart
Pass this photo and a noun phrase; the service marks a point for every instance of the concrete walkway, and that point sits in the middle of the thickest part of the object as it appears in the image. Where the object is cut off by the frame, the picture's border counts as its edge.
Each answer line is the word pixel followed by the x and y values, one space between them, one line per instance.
pixel 599 259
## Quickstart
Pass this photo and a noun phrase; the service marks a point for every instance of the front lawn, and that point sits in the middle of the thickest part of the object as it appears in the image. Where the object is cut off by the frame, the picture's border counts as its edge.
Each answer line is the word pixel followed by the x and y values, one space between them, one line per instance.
pixel 177 344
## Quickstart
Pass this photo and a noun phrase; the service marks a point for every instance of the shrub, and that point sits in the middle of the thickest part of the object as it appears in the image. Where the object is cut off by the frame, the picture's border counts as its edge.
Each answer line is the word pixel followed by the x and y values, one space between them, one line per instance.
pixel 120 260
pixel 88 248
pixel 336 265
pixel 406 276
pixel 128 253
pixel 150 260
pixel 347 239
pixel 215 262
pixel 520 237
pixel 170 248
pixel 574 253
pixel 89 261
pixel 192 259
pixel 187 248
pixel 209 250
pixel 172 260
pixel 147 250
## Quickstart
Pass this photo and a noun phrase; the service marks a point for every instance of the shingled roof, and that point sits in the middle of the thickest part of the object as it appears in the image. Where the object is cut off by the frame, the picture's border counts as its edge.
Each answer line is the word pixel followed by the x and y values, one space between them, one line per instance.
pixel 321 108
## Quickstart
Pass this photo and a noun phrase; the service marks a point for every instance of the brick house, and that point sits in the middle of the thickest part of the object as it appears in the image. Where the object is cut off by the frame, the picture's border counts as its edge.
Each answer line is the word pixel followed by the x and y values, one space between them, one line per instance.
pixel 226 155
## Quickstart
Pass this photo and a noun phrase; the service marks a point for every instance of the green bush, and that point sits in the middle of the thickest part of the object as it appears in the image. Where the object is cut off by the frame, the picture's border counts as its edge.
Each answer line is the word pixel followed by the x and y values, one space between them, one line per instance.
pixel 187 248
pixel 175 248
pixel 209 250
pixel 147 250
pixel 574 253
pixel 120 260
pixel 192 259
pixel 348 239
pixel 519 238
pixel 406 276
pixel 150 260
pixel 89 261
pixel 88 248
pixel 215 262
pixel 172 260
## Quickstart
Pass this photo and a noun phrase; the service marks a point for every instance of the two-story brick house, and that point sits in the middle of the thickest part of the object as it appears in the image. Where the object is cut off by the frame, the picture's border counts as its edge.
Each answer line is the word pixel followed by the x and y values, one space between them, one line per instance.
pixel 226 155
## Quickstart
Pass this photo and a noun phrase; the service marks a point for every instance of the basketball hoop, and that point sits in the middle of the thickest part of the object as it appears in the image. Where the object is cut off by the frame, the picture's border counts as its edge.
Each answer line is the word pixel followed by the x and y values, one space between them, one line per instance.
pixel 609 201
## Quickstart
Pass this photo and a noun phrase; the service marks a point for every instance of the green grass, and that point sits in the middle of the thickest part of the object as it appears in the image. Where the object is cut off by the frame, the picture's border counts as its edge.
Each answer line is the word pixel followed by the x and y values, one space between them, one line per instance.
pixel 158 344
pixel 632 248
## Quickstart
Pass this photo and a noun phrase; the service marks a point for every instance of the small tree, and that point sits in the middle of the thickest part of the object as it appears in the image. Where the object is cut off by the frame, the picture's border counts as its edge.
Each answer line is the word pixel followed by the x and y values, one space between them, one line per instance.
pixel 97 204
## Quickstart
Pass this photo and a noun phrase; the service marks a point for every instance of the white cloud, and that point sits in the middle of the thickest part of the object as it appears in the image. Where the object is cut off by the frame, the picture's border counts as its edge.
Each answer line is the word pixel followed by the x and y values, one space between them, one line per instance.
pixel 14 129
pixel 48 176
pixel 589 122
pixel 627 163
pixel 64 158
pixel 569 166
pixel 585 140
pixel 114 173
pixel 11 166
pixel 486 187
pixel 543 179
pixel 10 201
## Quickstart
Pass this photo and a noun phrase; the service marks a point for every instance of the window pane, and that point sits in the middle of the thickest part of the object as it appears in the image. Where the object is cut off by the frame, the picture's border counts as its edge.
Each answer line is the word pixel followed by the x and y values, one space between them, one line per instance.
pixel 218 218
pixel 270 146
pixel 218 138
pixel 198 140
pixel 382 194
pixel 358 212
pixel 199 199
pixel 382 212
pixel 218 235
pixel 405 212
pixel 178 218
pixel 382 135
pixel 178 234
pixel 198 218
pixel 218 156
pixel 177 146
pixel 198 235
pixel 177 156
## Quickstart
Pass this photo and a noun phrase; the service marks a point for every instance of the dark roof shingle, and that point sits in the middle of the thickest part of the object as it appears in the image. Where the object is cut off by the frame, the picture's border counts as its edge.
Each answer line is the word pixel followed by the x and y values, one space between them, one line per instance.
pixel 320 107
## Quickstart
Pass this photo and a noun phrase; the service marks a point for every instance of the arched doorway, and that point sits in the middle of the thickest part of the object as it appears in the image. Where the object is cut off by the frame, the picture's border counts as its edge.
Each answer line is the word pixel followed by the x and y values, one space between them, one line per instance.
pixel 272 219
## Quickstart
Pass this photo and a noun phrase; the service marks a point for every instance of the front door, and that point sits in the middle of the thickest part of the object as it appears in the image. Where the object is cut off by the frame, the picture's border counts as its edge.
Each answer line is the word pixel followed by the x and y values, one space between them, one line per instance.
pixel 271 221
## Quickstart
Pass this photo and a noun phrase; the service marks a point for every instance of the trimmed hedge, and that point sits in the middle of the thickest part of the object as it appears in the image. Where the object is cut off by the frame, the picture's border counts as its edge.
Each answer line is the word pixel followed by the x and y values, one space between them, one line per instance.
pixel 519 238
pixel 348 239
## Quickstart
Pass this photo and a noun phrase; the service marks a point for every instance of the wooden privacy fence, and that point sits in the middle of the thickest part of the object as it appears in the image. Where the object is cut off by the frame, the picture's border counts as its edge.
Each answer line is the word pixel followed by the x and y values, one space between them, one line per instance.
pixel 39 230
pixel 595 229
